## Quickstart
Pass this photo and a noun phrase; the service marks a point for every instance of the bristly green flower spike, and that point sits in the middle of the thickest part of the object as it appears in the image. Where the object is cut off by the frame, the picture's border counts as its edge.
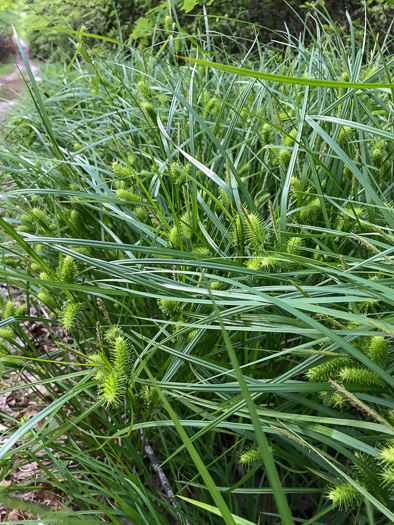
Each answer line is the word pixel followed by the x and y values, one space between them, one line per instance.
pixel 70 315
pixel 8 310
pixel 68 270
pixel 255 231
pixel 251 457
pixel 145 91
pixel 343 495
pixel 387 455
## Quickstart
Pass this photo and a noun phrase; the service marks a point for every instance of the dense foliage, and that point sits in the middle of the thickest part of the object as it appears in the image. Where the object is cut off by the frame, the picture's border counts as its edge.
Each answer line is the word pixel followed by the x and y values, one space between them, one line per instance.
pixel 212 256
pixel 135 20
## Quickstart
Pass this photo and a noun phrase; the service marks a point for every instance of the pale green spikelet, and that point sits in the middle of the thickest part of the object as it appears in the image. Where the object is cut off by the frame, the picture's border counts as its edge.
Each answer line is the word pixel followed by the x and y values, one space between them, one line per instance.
pixel 378 154
pixel 225 197
pixel 218 285
pixel 68 270
pixel 255 231
pixel 168 23
pixel 70 315
pixel 177 174
pixel 120 352
pixel 8 310
pixel 174 238
pixel 177 44
pixel 25 228
pixel 83 52
pixel 329 370
pixel 295 187
pixel 7 334
pixel 145 91
pixel 339 401
pixel 378 350
pixel 120 170
pixel 21 310
pixel 343 495
pixel 345 76
pixel 101 368
pixel 186 225
pixel 150 113
pixel 238 232
pixel 266 133
pixel 360 376
pixel 289 141
pixel 103 309
pixel 312 213
pixel 168 306
pixel 284 158
pixel 347 172
pixel 387 476
pixel 128 195
pixel 113 333
pixel 344 136
pixel 265 264
pixel 112 388
pixel 294 245
pixel 48 300
pixel 386 455
pixel 201 250
pixel 251 457
pixel 142 214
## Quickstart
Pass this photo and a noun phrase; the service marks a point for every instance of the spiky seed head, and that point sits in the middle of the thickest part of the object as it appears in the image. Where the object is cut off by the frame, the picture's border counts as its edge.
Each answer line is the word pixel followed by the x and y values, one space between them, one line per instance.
pixel 237 231
pixel 344 495
pixel 201 250
pixel 48 300
pixel 255 231
pixel 121 356
pixel 251 457
pixel 345 77
pixel 21 310
pixel 83 52
pixel 8 310
pixel 225 197
pixel 128 195
pixel 360 376
pixel 68 270
pixel 142 214
pixel 145 91
pixel 168 306
pixel 7 334
pixel 70 315
pixel 387 476
pixel 294 245
pixel 344 136
pixel 177 44
pixel 284 158
pixel 266 133
pixel 378 156
pixel 113 388
pixel 186 225
pixel 386 455
pixel 339 401
pixel 289 141
pixel 112 334
pixel 330 370
pixel 150 113
pixel 174 238
pixel 378 350
pixel 119 169
pixel 168 23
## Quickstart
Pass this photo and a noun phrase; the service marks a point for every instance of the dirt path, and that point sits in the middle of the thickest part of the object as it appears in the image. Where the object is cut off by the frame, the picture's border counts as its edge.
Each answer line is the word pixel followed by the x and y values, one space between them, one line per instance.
pixel 11 84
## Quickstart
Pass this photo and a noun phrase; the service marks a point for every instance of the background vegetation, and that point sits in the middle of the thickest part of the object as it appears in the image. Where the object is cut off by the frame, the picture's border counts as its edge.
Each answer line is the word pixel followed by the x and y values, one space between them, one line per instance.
pixel 210 250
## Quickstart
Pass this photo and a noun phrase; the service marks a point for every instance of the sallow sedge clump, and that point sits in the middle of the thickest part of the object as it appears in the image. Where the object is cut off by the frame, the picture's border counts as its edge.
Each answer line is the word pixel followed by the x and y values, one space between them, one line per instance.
pixel 217 250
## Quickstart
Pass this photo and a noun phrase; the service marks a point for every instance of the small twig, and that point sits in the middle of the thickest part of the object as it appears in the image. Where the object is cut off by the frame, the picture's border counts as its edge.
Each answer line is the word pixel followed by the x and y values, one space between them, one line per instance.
pixel 162 476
